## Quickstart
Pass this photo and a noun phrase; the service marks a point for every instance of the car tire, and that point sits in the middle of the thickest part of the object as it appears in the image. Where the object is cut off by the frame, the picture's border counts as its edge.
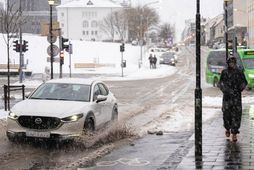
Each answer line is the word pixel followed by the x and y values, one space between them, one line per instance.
pixel 114 114
pixel 11 138
pixel 89 124
pixel 215 82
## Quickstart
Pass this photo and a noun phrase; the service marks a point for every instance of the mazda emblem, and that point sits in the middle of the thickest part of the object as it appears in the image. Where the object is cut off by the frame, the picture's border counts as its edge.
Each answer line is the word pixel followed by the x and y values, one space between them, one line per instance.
pixel 38 121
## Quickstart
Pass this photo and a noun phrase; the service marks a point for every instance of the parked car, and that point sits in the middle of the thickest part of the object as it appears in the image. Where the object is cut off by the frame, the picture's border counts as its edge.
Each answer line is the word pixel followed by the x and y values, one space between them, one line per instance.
pixel 62 109
pixel 168 58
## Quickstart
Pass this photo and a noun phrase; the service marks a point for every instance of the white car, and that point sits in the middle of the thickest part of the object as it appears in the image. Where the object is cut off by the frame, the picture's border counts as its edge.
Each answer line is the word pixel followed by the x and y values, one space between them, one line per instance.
pixel 62 109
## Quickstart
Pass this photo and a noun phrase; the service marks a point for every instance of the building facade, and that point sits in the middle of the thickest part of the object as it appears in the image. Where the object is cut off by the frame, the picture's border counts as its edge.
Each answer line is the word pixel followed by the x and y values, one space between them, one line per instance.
pixel 250 8
pixel 35 13
pixel 82 19
pixel 237 20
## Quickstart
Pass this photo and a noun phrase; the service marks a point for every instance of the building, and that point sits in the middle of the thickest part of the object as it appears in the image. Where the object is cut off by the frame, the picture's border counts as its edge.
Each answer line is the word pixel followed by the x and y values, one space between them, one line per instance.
pixel 35 13
pixel 237 20
pixel 214 30
pixel 250 7
pixel 83 19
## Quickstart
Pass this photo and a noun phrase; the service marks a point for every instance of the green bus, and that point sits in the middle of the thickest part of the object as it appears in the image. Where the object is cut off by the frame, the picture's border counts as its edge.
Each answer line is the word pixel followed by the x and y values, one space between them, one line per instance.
pixel 216 62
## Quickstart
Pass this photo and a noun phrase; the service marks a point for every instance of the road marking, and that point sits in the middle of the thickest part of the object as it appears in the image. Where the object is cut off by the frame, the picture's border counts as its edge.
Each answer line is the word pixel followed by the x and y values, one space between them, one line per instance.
pixel 124 161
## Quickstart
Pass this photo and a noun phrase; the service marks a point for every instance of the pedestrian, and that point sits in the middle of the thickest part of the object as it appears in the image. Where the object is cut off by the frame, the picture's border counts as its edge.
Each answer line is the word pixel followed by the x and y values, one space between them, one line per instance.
pixel 151 60
pixel 154 61
pixel 232 83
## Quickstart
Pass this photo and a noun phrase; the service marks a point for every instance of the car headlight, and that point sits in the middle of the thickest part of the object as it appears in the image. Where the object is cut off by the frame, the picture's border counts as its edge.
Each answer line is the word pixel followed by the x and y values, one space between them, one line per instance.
pixel 172 59
pixel 72 118
pixel 251 75
pixel 12 115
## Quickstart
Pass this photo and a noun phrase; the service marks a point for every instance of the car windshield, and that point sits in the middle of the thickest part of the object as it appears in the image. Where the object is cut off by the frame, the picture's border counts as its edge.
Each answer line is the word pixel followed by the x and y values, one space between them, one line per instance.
pixel 248 63
pixel 62 91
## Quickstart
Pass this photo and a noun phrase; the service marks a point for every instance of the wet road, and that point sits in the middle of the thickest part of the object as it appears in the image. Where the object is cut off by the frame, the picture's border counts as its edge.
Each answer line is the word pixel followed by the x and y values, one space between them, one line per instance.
pixel 142 103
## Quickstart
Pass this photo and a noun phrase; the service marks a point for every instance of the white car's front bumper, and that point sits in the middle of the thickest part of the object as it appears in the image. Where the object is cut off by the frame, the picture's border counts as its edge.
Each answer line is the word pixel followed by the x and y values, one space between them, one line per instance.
pixel 65 130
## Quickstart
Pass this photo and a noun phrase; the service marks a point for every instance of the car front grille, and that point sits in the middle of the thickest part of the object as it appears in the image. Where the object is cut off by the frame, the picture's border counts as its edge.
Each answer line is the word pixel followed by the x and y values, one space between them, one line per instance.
pixel 40 123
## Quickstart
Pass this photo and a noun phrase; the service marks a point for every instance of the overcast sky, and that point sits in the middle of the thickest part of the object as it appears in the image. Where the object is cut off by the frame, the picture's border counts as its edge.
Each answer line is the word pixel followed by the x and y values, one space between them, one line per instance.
pixel 177 11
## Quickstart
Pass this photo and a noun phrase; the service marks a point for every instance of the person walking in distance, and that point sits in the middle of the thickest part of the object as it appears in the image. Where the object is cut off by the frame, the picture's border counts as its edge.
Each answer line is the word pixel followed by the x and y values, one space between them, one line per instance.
pixel 154 61
pixel 151 61
pixel 232 83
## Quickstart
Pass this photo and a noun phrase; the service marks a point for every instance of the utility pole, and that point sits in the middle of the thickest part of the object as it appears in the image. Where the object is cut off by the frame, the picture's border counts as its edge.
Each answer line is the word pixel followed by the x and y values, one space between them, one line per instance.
pixel 21 58
pixel 198 95
pixel 51 35
pixel 226 26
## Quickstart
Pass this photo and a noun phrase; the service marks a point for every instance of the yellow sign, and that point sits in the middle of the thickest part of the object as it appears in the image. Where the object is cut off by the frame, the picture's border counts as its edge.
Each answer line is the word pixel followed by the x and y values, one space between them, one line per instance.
pixel 249 53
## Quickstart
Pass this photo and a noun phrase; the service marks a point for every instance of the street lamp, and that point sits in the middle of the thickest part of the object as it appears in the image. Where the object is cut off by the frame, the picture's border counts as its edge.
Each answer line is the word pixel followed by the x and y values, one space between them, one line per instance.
pixel 51 3
pixel 198 94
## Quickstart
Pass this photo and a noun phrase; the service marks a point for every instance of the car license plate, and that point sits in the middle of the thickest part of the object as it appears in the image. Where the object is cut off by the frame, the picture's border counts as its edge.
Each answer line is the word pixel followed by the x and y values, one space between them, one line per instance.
pixel 38 134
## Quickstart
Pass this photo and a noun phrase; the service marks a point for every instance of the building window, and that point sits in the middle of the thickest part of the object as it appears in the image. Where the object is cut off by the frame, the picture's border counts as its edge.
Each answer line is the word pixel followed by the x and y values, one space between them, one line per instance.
pixel 62 14
pixel 92 32
pixel 84 32
pixel 94 24
pixel 87 32
pixel 85 24
pixel 95 32
pixel 62 25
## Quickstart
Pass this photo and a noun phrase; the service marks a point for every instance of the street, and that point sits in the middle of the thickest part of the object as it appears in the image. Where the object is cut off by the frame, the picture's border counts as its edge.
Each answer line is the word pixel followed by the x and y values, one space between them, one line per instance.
pixel 142 103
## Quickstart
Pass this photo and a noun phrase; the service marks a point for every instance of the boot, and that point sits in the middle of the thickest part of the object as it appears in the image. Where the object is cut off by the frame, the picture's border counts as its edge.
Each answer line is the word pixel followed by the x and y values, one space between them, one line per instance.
pixel 234 138
pixel 227 133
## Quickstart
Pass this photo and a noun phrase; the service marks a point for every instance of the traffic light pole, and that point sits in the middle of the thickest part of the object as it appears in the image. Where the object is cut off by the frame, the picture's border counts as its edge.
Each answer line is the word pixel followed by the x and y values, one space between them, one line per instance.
pixel 21 58
pixel 51 44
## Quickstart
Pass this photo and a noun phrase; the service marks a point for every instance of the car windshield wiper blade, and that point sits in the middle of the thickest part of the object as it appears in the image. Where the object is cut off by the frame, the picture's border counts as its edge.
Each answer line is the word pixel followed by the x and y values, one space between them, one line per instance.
pixel 40 98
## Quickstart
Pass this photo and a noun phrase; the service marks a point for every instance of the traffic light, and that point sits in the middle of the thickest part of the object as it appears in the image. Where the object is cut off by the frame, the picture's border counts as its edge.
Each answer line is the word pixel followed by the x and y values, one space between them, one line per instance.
pixel 24 46
pixel 16 46
pixel 122 47
pixel 61 57
pixel 62 45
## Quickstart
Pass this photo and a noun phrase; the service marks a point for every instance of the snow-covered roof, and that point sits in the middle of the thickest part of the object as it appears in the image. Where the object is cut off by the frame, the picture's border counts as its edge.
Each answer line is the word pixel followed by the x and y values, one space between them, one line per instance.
pixel 90 4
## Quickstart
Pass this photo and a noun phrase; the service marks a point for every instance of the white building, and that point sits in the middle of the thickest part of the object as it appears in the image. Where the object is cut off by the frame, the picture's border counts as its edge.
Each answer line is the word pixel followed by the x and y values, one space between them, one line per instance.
pixel 82 19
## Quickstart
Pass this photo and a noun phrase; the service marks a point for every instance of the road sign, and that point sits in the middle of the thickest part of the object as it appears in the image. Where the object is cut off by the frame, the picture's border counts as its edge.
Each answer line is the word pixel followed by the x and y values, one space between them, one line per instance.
pixel 55 50
pixel 53 40
pixel 55 59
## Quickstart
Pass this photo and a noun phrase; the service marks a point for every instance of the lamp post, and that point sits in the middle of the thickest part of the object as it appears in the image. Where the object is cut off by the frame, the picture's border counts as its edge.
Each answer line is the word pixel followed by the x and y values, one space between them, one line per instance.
pixel 51 3
pixel 198 93
pixel 226 26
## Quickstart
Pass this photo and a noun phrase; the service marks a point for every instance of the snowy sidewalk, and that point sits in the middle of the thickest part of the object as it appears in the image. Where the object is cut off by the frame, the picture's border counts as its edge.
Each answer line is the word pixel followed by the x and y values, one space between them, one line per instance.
pixel 220 152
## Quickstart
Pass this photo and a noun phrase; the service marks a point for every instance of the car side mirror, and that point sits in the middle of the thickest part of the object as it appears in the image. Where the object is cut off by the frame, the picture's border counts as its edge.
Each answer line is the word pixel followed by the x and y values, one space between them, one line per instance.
pixel 101 98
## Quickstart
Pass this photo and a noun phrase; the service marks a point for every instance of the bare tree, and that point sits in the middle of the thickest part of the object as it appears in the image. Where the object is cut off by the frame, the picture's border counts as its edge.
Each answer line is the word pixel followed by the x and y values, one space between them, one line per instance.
pixel 167 31
pixel 140 19
pixel 10 22
pixel 107 25
pixel 121 23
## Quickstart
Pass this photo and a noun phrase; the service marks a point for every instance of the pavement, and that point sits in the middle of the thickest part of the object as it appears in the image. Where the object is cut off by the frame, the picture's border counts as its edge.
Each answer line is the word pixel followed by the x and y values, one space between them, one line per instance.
pixel 176 150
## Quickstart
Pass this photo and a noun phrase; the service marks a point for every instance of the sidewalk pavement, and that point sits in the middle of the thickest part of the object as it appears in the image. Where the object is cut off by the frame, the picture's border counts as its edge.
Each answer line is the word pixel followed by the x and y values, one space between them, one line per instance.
pixel 176 150
pixel 220 152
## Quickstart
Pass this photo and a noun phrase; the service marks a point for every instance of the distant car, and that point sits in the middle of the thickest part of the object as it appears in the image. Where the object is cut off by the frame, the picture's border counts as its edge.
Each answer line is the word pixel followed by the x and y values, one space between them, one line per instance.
pixel 168 58
pixel 158 51
pixel 134 42
pixel 62 109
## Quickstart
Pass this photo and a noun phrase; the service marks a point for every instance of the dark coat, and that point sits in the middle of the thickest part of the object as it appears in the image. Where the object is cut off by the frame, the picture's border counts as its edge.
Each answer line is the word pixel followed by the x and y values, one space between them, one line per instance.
pixel 232 83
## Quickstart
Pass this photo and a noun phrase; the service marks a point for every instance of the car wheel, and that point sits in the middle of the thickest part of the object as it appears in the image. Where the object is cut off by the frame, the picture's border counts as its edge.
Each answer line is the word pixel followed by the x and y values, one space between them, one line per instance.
pixel 114 114
pixel 11 138
pixel 215 82
pixel 89 125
